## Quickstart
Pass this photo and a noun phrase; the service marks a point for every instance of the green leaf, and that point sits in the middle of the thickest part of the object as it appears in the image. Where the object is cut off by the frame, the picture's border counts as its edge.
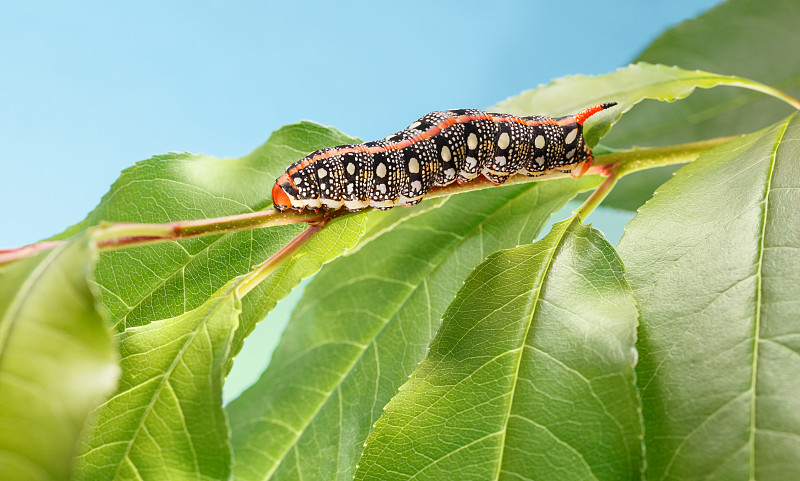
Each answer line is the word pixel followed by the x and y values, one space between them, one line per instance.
pixel 143 284
pixel 166 419
pixel 627 86
pixel 57 360
pixel 714 261
pixel 363 325
pixel 530 376
pixel 380 221
pixel 752 39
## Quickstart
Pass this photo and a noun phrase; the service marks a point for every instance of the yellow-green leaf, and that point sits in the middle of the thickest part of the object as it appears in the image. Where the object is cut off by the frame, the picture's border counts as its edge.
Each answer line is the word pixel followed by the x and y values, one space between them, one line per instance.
pixel 58 360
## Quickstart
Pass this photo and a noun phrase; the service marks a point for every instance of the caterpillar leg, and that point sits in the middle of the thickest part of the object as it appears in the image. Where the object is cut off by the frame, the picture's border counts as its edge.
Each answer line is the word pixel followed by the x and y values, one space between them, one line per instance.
pixel 494 176
pixel 528 173
pixel 383 204
pixel 408 202
pixel 465 178
pixel 355 205
pixel 581 168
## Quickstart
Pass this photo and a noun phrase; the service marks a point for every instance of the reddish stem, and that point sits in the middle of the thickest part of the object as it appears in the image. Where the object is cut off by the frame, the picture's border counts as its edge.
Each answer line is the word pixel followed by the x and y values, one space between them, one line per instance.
pixel 10 255
pixel 261 271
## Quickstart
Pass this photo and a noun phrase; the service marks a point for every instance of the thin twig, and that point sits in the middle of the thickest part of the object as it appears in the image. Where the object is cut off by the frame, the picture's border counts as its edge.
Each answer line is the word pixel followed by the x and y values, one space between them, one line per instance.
pixel 600 193
pixel 261 271
pixel 8 255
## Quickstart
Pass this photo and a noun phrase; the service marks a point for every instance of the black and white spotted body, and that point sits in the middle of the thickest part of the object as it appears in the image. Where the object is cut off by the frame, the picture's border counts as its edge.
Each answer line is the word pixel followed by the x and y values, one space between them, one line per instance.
pixel 436 150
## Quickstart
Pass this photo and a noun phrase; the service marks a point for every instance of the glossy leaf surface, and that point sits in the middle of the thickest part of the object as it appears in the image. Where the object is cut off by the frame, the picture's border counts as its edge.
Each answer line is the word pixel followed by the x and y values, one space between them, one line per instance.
pixel 530 377
pixel 714 261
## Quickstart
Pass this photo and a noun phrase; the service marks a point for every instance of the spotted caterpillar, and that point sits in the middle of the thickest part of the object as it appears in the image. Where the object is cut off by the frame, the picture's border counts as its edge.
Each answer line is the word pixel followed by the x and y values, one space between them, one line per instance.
pixel 439 148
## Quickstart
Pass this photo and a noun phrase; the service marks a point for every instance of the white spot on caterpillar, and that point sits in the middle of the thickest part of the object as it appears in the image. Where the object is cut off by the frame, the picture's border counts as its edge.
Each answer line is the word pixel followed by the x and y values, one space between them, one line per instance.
pixel 570 154
pixel 571 136
pixel 321 173
pixel 539 141
pixel 500 160
pixel 350 188
pixel 416 185
pixel 323 186
pixel 472 141
pixel 351 168
pixel 297 181
pixel 382 188
pixel 413 165
pixel 446 155
pixel 450 173
pixel 471 162
pixel 414 126
pixel 503 141
pixel 381 170
pixel 540 160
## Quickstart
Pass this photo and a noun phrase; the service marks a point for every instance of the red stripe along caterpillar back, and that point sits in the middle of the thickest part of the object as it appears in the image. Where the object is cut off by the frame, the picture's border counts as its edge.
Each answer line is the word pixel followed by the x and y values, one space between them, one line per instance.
pixel 436 150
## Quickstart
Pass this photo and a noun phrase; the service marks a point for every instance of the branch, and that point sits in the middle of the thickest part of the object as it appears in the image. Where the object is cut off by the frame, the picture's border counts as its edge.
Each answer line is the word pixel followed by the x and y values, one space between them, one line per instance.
pixel 120 235
pixel 597 196
pixel 261 271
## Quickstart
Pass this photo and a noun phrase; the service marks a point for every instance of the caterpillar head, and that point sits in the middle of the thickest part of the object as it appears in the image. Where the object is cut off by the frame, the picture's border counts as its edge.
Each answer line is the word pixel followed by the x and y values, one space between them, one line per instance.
pixel 283 193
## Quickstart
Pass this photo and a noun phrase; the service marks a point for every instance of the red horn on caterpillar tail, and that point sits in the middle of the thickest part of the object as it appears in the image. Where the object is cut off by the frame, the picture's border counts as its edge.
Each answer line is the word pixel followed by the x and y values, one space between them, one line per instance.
pixel 584 114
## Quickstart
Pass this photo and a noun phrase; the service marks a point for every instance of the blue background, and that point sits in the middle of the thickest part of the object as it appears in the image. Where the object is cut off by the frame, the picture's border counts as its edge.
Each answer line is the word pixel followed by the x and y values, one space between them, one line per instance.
pixel 88 88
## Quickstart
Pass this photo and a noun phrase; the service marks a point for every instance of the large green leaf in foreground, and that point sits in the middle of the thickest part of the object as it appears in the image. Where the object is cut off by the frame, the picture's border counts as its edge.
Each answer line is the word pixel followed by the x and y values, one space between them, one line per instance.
pixel 530 377
pixel 363 325
pixel 166 419
pixel 57 360
pixel 756 39
pixel 714 261
pixel 161 281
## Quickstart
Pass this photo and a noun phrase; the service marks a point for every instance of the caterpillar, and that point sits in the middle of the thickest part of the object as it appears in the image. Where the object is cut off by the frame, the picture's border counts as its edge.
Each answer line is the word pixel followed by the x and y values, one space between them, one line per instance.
pixel 440 148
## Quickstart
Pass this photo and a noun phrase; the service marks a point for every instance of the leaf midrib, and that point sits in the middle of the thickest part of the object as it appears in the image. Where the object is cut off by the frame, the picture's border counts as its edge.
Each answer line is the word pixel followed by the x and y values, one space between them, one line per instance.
pixel 534 303
pixel 164 377
pixel 192 258
pixel 757 320
pixel 756 330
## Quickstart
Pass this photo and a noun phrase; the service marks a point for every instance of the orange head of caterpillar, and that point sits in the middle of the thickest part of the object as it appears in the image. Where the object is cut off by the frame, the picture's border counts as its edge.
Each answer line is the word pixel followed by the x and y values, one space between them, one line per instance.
pixel 280 198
